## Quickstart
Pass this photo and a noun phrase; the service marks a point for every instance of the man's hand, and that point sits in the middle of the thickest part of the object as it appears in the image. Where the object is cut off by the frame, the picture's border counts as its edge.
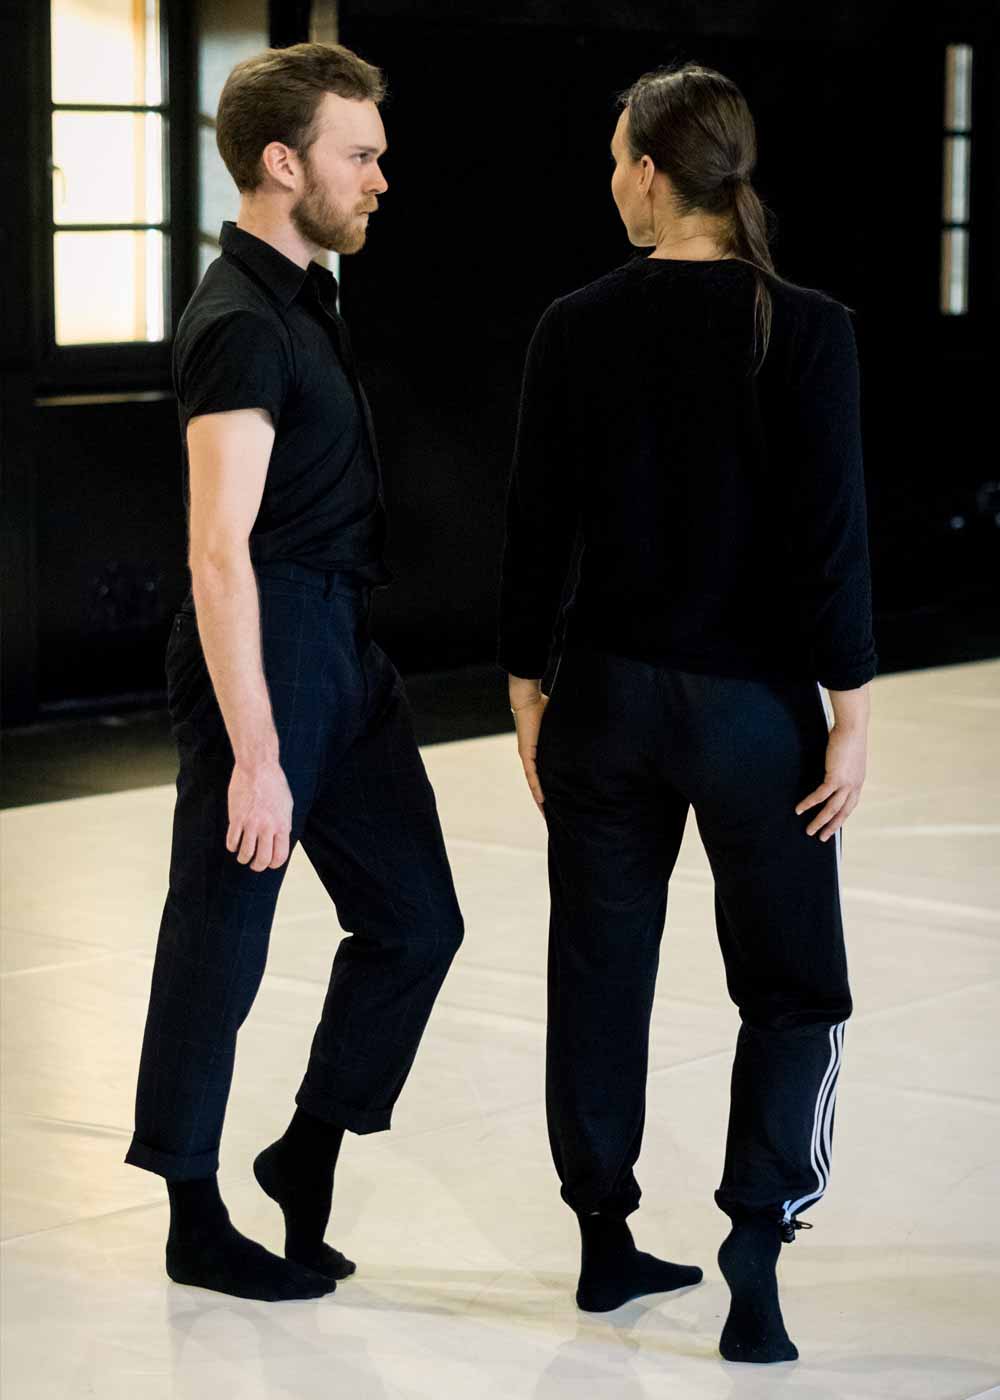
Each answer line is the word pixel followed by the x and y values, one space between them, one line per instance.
pixel 528 704
pixel 840 790
pixel 260 815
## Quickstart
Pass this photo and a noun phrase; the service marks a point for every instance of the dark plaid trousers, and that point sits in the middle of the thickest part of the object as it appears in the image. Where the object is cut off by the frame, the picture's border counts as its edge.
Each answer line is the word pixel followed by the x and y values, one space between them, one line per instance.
pixel 625 749
pixel 364 813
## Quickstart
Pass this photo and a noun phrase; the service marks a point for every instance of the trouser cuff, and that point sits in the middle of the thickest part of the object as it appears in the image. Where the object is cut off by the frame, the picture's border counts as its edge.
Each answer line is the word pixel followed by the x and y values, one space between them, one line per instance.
pixel 171 1165
pixel 343 1115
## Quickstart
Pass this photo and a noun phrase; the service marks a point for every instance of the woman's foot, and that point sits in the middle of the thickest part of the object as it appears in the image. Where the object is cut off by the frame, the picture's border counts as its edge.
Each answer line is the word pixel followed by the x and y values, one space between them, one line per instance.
pixel 303 1188
pixel 614 1272
pixel 205 1251
pixel 755 1329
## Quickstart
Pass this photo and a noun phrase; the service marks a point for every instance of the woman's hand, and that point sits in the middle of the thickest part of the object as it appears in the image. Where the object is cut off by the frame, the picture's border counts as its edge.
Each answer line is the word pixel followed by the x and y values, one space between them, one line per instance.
pixel 840 790
pixel 528 704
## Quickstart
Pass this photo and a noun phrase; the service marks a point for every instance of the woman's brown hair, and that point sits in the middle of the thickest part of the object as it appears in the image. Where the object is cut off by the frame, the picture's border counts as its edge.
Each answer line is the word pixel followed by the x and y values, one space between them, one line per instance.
pixel 274 96
pixel 696 127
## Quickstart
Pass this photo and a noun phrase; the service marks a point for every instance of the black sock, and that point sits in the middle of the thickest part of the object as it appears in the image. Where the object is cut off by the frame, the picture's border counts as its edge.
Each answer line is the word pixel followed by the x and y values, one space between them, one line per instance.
pixel 613 1271
pixel 205 1250
pixel 755 1329
pixel 297 1171
pixel 196 1208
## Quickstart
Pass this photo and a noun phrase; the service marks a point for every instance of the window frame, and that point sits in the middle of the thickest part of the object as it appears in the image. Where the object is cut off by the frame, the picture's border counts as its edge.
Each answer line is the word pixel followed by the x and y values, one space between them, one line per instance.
pixel 964 327
pixel 115 364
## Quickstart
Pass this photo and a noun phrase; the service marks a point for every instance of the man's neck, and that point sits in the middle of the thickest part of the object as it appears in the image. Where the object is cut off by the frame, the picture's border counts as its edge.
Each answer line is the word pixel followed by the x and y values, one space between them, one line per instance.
pixel 280 233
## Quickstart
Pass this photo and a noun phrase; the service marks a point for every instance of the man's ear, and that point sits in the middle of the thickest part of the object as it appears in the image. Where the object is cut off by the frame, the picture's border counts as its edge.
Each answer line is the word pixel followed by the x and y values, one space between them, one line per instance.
pixel 282 161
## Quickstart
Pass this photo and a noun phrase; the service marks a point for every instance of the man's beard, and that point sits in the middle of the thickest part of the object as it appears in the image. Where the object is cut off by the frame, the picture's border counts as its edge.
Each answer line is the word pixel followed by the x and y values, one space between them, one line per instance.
pixel 320 222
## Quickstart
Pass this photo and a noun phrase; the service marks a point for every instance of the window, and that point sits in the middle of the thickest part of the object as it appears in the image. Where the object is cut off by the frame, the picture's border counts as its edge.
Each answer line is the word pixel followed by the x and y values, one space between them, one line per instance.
pixel 110 218
pixel 955 192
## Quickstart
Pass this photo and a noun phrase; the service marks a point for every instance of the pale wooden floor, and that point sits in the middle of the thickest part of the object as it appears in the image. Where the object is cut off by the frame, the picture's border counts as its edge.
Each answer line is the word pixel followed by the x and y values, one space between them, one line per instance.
pixel 466 1255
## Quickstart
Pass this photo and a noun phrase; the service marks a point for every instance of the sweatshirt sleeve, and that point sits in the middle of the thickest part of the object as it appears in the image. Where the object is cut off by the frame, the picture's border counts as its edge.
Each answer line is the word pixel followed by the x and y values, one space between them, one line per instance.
pixel 543 507
pixel 821 493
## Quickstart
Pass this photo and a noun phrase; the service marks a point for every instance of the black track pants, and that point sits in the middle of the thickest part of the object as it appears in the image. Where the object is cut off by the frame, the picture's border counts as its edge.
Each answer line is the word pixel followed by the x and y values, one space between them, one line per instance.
pixel 625 747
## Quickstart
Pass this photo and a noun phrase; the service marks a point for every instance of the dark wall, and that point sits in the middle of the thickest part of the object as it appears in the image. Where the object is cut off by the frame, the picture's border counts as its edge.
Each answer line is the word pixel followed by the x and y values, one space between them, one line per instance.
pixel 498 202
pixel 110 543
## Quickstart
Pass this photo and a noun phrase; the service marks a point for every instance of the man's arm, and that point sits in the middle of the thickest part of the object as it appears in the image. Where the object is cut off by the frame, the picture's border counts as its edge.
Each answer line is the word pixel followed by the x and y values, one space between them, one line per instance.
pixel 228 455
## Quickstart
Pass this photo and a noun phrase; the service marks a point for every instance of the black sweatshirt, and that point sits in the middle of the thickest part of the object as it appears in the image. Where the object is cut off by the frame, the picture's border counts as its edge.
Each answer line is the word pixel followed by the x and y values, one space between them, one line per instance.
pixel 721 514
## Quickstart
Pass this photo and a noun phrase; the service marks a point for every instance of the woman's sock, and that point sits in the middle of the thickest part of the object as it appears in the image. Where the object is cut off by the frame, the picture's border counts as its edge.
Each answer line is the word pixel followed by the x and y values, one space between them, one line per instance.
pixel 755 1329
pixel 203 1249
pixel 297 1171
pixel 613 1271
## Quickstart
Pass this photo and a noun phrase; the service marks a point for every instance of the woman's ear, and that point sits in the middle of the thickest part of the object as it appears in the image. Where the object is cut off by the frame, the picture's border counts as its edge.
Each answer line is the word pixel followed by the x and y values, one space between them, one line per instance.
pixel 646 174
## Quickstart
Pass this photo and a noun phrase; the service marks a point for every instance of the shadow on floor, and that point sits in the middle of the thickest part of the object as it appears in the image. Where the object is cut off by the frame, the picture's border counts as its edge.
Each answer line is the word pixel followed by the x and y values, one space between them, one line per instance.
pixel 113 752
pixel 132 749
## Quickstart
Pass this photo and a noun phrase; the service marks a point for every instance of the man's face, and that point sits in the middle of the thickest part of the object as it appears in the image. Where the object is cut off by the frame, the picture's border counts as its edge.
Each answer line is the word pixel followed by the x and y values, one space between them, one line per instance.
pixel 342 175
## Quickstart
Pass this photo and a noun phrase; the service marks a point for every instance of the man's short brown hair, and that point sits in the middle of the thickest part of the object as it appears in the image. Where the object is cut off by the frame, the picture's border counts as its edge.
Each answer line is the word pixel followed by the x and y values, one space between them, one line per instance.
pixel 275 95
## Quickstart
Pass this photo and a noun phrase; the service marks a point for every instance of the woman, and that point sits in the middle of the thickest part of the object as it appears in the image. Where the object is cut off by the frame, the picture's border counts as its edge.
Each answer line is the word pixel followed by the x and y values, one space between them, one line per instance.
pixel 696 419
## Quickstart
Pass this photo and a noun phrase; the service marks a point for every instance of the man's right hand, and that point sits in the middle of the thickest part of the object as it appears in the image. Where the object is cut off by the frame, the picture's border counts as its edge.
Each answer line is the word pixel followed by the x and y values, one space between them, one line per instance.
pixel 260 815
pixel 228 455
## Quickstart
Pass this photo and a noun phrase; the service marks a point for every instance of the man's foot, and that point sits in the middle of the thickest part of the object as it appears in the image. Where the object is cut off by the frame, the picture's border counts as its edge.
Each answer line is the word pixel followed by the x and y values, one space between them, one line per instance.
pixel 614 1272
pixel 297 1172
pixel 204 1250
pixel 755 1329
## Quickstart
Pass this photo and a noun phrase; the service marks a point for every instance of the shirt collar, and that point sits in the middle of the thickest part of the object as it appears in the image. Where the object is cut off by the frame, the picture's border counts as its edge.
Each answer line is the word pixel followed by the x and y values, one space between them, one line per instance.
pixel 279 274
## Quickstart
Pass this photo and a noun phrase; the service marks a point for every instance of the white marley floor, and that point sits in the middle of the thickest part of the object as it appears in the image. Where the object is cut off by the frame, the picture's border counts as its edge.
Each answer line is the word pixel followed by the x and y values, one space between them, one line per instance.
pixel 466 1255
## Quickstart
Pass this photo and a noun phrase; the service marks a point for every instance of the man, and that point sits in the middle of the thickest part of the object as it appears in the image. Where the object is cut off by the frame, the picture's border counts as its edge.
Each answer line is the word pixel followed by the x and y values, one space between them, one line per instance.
pixel 291 724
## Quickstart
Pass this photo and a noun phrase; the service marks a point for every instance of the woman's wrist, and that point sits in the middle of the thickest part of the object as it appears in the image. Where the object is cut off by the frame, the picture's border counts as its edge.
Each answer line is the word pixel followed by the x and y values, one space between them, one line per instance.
pixel 851 708
pixel 523 691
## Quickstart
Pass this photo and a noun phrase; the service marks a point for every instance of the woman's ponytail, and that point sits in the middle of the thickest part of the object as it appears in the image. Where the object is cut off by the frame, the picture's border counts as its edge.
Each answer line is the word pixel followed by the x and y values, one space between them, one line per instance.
pixel 696 127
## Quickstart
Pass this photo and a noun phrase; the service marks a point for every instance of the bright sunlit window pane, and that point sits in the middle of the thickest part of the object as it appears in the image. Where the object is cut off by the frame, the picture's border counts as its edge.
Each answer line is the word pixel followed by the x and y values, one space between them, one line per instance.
pixel 954 271
pixel 109 287
pixel 108 167
pixel 956 180
pixel 106 52
pixel 956 167
pixel 958 87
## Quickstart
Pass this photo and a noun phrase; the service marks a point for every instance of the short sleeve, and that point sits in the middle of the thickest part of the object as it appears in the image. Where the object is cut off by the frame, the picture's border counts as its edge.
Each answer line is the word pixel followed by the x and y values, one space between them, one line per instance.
pixel 237 360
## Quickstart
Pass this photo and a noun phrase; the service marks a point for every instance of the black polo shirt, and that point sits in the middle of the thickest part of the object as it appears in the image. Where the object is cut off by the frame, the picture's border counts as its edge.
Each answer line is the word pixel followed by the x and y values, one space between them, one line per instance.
pixel 262 332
